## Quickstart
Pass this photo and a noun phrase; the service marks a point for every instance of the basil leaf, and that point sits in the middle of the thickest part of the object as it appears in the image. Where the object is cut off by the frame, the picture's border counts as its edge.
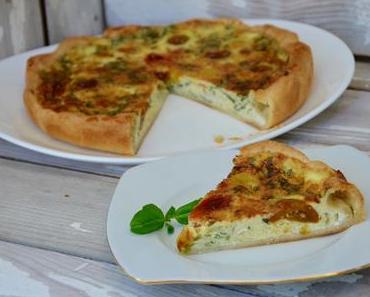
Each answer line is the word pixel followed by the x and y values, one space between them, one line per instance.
pixel 149 219
pixel 170 214
pixel 182 212
pixel 170 228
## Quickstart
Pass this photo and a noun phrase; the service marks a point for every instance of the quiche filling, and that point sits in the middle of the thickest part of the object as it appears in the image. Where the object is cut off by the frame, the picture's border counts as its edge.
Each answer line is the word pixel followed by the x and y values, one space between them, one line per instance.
pixel 219 65
pixel 268 195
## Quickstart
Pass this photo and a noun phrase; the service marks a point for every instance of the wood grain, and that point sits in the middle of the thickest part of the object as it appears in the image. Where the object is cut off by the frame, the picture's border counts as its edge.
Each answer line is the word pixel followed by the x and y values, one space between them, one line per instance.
pixel 361 78
pixel 346 122
pixel 20 26
pixel 30 272
pixel 11 151
pixel 55 209
pixel 350 20
pixel 71 18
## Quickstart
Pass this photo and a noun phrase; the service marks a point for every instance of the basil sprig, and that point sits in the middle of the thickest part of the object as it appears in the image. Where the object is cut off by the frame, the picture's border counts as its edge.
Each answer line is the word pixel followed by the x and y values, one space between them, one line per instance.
pixel 151 218
pixel 182 213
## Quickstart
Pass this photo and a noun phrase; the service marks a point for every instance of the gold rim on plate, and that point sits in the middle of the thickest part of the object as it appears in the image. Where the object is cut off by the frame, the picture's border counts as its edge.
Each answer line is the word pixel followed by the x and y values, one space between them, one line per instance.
pixel 240 282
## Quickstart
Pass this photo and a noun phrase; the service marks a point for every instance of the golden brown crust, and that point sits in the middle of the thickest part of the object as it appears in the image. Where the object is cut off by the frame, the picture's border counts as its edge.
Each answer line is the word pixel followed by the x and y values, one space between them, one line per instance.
pixel 112 134
pixel 345 192
pixel 285 37
pixel 229 205
pixel 286 95
pixel 192 23
pixel 270 146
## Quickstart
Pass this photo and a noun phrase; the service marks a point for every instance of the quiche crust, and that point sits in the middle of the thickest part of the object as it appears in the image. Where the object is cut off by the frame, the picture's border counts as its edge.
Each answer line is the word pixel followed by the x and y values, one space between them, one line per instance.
pixel 286 95
pixel 264 97
pixel 121 134
pixel 226 218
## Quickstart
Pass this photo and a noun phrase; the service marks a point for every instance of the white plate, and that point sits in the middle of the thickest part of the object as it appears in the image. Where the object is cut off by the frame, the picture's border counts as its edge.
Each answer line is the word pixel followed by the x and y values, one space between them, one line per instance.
pixel 153 258
pixel 183 125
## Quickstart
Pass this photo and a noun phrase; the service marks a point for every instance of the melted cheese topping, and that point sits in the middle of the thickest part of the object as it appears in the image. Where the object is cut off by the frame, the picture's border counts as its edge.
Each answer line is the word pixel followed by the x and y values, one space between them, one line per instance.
pixel 271 186
pixel 118 72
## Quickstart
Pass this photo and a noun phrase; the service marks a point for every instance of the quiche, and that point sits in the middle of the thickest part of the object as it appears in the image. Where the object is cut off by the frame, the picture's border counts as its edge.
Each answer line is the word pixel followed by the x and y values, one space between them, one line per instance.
pixel 273 194
pixel 105 92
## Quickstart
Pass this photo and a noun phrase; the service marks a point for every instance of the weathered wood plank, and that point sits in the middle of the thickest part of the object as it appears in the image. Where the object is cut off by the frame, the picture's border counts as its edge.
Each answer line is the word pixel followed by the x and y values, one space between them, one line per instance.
pixel 346 122
pixel 32 272
pixel 350 20
pixel 55 209
pixel 71 18
pixel 361 78
pixel 11 151
pixel 20 26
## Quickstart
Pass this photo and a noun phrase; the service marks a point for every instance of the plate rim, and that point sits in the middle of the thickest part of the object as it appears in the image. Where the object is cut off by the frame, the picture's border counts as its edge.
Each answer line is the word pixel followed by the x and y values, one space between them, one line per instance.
pixel 128 160
pixel 307 278
pixel 244 282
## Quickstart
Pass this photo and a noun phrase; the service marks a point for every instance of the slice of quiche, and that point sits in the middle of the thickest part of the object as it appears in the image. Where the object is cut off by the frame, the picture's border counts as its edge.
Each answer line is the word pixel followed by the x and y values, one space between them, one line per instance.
pixel 273 194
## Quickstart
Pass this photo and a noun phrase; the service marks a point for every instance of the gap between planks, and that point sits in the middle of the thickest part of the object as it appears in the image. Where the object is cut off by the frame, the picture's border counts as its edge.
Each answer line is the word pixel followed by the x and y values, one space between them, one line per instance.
pixel 361 77
pixel 13 152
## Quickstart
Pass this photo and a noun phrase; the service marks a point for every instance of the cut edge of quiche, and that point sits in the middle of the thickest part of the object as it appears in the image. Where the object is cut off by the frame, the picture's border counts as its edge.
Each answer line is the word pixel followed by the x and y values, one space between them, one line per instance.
pixel 274 194
pixel 262 108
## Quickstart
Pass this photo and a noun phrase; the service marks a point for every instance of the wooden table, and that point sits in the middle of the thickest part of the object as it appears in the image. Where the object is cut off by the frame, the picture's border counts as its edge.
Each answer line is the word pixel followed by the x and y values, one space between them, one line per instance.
pixel 53 218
